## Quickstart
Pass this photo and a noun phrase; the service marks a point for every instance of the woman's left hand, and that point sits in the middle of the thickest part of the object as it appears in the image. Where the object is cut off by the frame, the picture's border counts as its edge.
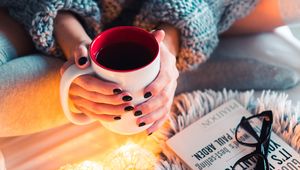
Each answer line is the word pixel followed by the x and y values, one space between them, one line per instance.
pixel 156 110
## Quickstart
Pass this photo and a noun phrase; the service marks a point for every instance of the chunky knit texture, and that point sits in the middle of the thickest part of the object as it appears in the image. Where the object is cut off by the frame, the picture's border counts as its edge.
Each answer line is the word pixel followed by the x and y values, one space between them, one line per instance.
pixel 199 21
pixel 38 18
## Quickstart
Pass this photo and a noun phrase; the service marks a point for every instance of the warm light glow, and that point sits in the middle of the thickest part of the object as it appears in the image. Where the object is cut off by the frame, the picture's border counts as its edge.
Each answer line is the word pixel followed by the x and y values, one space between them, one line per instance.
pixel 128 157
pixel 86 165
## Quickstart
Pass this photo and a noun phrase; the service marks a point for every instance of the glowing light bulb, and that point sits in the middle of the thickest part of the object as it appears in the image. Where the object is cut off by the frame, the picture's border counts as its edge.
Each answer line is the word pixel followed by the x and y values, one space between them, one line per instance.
pixel 127 157
pixel 86 165
pixel 130 157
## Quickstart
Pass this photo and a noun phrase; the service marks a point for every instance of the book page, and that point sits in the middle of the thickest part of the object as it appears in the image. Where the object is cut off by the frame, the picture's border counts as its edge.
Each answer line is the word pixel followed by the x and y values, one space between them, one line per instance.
pixel 209 143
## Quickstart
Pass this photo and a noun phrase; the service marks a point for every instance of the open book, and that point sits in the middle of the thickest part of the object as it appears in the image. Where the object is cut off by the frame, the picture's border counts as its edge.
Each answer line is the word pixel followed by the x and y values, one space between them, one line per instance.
pixel 210 144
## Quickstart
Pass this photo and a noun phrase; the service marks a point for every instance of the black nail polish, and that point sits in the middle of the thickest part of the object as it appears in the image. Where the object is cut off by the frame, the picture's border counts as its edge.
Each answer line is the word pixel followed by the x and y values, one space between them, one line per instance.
pixel 127 98
pixel 82 60
pixel 147 95
pixel 138 113
pixel 117 91
pixel 128 108
pixel 142 124
pixel 117 118
pixel 150 134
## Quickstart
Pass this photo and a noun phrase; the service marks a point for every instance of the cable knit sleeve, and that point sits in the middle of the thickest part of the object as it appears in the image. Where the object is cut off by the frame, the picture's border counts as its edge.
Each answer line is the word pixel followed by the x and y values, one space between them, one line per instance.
pixel 199 22
pixel 38 18
pixel 195 21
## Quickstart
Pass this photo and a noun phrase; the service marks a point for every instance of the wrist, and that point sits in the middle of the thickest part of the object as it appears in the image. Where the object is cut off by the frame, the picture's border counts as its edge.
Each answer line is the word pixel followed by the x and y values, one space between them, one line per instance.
pixel 69 33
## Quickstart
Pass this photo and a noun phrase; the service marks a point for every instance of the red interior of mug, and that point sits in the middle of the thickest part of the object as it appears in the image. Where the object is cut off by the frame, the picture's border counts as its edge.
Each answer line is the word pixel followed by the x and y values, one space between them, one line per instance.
pixel 123 34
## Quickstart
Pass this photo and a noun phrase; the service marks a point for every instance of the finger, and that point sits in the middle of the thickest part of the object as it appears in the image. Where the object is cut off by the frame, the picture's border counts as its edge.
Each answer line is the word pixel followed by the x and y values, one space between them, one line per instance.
pixel 101 108
pixel 106 118
pixel 66 65
pixel 160 112
pixel 153 103
pixel 94 84
pixel 156 125
pixel 167 58
pixel 166 74
pixel 158 84
pixel 159 35
pixel 118 99
pixel 80 55
pixel 153 116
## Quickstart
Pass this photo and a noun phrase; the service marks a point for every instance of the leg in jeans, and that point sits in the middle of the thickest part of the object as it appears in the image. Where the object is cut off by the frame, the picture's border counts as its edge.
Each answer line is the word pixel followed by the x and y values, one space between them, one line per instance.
pixel 29 90
pixel 237 74
pixel 29 85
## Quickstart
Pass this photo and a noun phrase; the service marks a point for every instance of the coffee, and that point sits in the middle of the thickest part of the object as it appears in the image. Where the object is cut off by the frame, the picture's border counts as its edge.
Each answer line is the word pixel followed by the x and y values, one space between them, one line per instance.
pixel 124 56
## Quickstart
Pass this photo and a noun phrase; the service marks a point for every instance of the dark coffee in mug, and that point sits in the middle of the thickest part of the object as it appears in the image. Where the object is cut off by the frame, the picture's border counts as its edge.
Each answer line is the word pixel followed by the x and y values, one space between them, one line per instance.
pixel 124 56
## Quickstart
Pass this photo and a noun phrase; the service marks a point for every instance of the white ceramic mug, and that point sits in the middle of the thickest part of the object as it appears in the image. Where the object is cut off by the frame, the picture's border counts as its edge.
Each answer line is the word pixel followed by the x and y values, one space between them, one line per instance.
pixel 134 80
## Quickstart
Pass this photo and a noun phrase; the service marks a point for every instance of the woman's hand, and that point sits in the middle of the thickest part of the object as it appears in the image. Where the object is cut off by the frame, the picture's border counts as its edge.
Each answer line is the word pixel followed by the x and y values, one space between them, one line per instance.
pixel 161 90
pixel 99 100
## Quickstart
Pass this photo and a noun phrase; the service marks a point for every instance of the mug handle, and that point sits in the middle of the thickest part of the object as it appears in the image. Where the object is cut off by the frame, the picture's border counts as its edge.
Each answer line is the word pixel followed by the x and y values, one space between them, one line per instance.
pixel 66 80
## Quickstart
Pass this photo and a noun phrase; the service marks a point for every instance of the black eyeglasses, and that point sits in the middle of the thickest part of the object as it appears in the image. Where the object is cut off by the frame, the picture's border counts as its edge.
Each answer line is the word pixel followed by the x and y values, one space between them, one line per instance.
pixel 255 131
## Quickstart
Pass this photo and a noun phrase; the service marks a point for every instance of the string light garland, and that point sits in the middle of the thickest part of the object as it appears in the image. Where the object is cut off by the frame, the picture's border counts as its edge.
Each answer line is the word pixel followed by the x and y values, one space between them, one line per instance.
pixel 128 157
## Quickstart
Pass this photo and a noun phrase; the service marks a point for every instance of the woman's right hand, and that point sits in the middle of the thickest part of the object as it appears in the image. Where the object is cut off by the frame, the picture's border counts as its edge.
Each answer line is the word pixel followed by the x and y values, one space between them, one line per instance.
pixel 98 99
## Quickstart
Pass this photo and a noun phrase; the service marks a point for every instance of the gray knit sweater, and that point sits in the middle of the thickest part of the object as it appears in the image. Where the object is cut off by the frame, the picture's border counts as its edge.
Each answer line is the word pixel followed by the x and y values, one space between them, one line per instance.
pixel 199 21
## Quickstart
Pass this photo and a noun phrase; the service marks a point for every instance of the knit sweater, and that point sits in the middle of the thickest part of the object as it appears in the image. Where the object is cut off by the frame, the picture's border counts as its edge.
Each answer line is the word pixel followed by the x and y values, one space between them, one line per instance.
pixel 199 21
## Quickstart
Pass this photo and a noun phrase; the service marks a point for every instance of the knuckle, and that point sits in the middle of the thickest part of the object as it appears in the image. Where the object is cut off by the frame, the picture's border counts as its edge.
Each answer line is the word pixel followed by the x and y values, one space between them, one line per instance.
pixel 92 96
pixel 165 110
pixel 176 72
pixel 173 61
pixel 117 98
pixel 146 107
pixel 95 107
pixel 151 118
pixel 164 96
pixel 74 98
pixel 155 88
pixel 84 81
pixel 175 84
pixel 72 91
pixel 168 76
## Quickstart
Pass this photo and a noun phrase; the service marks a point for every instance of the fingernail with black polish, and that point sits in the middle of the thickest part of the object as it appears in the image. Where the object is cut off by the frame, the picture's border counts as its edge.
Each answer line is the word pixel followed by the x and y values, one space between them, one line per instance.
pixel 147 95
pixel 142 124
pixel 127 98
pixel 117 118
pixel 128 108
pixel 138 113
pixel 82 60
pixel 150 134
pixel 117 91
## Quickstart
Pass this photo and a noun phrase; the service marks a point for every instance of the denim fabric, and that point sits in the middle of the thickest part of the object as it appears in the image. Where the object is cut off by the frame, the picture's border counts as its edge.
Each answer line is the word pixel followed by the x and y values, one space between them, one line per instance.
pixel 7 50
pixel 28 84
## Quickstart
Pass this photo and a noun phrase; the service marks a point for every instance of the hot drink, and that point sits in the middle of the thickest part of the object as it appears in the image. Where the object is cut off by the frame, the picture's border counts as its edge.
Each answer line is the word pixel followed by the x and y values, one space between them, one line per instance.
pixel 127 56
pixel 124 56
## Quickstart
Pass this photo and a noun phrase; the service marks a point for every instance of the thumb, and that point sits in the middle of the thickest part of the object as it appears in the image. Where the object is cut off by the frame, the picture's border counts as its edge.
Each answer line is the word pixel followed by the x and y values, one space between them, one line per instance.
pixel 81 56
pixel 159 35
pixel 66 65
